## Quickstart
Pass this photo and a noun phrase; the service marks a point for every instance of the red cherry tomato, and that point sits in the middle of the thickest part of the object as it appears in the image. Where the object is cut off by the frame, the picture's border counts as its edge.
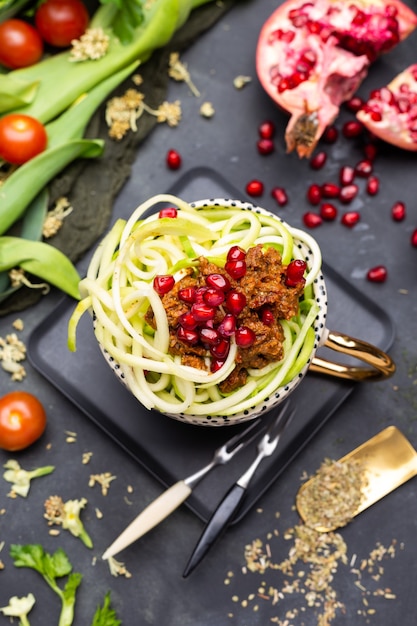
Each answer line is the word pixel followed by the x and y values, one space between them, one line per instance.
pixel 20 44
pixel 22 420
pixel 21 138
pixel 61 21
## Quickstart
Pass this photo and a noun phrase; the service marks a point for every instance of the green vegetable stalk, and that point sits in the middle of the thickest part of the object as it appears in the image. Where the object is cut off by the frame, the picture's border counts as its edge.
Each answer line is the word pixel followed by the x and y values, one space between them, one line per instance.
pixel 51 567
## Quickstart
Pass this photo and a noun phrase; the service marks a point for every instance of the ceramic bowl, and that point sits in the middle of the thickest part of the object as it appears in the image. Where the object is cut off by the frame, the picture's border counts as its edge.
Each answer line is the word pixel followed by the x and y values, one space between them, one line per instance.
pixel 381 364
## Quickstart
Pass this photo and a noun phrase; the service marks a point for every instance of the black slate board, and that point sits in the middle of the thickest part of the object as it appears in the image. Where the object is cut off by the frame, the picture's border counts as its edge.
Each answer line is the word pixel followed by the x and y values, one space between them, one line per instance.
pixel 172 450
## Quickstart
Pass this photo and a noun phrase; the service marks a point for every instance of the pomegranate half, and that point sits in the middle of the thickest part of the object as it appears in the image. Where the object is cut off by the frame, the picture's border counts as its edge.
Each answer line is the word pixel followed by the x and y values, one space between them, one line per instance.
pixel 391 112
pixel 312 56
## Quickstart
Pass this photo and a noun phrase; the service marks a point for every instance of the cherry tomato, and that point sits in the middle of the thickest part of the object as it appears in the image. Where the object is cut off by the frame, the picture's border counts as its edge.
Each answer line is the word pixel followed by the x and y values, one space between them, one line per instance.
pixel 22 420
pixel 21 138
pixel 20 44
pixel 61 21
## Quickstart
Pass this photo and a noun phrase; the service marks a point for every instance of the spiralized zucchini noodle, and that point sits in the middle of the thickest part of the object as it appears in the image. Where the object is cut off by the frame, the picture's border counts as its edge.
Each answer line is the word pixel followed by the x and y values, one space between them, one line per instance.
pixel 118 290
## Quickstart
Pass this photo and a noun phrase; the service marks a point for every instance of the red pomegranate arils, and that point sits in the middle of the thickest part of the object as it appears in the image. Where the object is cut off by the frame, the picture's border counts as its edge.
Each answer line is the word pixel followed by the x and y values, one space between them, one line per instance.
pixel 352 129
pixel 330 135
pixel 235 269
pixel 216 364
pixel 330 190
pixel 314 194
pixel 318 160
pixel 266 130
pixel 398 211
pixel 377 274
pixel 372 185
pixel 210 336
pixel 370 151
pixel 364 168
pixel 202 312
pixel 346 175
pixel 173 159
pixel 187 321
pixel 168 212
pixel 221 349
pixel 350 218
pixel 227 326
pixel 312 220
pixel 413 239
pixel 267 317
pixel 187 336
pixel 213 297
pixel 255 188
pixel 348 193
pixel 236 253
pixel 295 272
pixel 245 337
pixel 328 211
pixel 235 302
pixel 187 294
pixel 163 284
pixel 354 104
pixel 265 146
pixel 280 195
pixel 218 281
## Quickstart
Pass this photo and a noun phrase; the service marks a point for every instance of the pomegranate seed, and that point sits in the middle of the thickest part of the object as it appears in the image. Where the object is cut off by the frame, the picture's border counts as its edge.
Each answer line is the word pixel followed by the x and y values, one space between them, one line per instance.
pixel 328 211
pixel 330 135
pixel 187 320
pixel 199 294
pixel 202 311
pixel 227 326
pixel 370 151
pixel 265 146
pixel 372 185
pixel 168 212
pixel 312 220
pixel 236 254
pixel 255 188
pixel 348 193
pixel 363 168
pixel 330 190
pixel 266 130
pixel 245 337
pixel 314 194
pixel 354 104
pixel 235 269
pixel 398 211
pixel 173 159
pixel 187 336
pixel 350 218
pixel 218 281
pixel 216 364
pixel 280 195
pixel 213 296
pixel 346 175
pixel 235 302
pixel 352 129
pixel 377 274
pixel 210 336
pixel 163 283
pixel 414 238
pixel 221 349
pixel 187 294
pixel 267 317
pixel 318 160
pixel 295 273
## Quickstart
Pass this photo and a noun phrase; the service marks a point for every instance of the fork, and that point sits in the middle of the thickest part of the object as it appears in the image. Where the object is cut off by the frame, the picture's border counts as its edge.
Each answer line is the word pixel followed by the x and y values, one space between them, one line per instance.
pixel 174 496
pixel 231 502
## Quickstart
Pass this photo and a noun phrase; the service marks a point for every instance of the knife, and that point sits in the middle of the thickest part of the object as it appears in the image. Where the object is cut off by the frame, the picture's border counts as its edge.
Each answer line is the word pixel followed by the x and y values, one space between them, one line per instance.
pixel 172 498
pixel 231 502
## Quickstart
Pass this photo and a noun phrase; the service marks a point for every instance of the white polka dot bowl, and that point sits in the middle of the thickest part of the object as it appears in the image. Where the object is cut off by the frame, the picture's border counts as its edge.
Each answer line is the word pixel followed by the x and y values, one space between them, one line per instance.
pixel 166 240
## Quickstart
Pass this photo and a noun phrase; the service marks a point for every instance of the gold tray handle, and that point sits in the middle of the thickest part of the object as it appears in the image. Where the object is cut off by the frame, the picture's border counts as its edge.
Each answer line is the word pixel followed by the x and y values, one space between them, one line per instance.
pixel 382 366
